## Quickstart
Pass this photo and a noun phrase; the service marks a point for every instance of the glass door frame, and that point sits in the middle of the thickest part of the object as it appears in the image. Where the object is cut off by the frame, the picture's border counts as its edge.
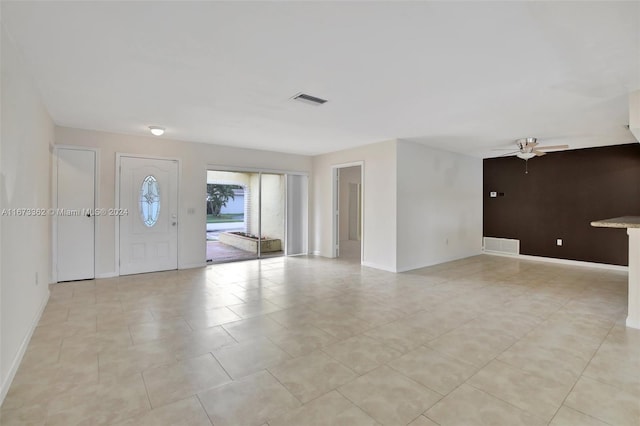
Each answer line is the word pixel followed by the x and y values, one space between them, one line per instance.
pixel 260 172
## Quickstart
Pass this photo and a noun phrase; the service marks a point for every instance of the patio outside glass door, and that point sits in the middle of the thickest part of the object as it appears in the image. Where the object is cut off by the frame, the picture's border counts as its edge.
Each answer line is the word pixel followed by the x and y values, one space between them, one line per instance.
pixel 232 205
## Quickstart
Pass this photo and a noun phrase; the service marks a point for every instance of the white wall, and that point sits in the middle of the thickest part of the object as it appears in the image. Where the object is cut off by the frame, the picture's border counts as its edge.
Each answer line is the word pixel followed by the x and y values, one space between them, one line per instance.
pixel 195 157
pixel 348 175
pixel 379 200
pixel 422 206
pixel 25 170
pixel 439 209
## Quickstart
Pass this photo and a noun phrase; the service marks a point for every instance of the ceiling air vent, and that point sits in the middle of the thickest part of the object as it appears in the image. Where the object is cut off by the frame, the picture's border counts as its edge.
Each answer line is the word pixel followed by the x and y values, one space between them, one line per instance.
pixel 308 99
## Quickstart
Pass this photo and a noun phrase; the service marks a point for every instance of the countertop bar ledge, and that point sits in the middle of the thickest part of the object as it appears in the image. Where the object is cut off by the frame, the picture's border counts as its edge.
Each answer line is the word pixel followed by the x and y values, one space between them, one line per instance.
pixel 618 222
pixel 632 224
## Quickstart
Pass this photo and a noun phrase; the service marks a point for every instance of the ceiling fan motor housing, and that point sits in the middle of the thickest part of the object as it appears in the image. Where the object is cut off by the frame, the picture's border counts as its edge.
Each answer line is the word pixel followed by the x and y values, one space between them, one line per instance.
pixel 527 144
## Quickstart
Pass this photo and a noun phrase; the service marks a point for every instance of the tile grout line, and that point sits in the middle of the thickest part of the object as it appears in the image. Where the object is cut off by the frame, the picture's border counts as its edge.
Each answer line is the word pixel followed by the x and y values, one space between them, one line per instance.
pixel 506 402
pixel 204 409
pixel 354 289
pixel 146 389
pixel 223 369
pixel 582 374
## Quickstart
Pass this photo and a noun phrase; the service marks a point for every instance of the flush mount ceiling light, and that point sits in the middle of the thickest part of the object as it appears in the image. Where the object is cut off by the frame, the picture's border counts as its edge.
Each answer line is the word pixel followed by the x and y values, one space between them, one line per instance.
pixel 156 130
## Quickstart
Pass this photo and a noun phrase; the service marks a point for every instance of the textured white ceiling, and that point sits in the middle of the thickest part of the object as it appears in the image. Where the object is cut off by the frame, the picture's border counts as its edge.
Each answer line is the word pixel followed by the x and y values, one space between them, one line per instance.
pixel 462 76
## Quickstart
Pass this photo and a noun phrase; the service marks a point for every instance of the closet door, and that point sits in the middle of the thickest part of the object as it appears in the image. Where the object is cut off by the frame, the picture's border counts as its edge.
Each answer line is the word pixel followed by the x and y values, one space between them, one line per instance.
pixel 75 231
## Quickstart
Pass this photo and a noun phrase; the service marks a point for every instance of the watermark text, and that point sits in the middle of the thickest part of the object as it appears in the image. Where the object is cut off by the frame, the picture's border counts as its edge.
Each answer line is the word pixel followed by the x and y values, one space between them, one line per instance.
pixel 64 212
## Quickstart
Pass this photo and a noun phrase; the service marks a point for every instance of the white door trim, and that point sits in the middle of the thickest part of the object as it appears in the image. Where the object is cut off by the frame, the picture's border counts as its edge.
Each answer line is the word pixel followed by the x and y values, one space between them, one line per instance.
pixel 119 156
pixel 334 207
pixel 54 205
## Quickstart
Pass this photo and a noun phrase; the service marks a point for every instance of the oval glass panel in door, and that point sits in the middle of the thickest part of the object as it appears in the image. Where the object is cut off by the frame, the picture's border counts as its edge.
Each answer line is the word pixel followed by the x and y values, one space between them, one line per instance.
pixel 149 201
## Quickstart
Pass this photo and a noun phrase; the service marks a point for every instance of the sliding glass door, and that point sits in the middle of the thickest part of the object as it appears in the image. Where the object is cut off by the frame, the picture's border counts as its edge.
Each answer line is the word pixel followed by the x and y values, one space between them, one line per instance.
pixel 272 215
pixel 297 213
pixel 230 196
pixel 252 215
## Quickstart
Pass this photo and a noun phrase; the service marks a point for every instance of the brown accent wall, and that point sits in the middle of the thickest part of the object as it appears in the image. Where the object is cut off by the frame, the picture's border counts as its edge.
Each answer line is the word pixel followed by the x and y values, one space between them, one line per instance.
pixel 559 197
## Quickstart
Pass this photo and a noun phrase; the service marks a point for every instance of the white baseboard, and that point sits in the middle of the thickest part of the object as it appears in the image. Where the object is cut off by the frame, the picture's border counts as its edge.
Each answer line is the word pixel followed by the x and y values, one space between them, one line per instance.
pixel 192 265
pixel 376 266
pixel 182 266
pixel 106 275
pixel 21 351
pixel 562 261
pixel 632 324
pixel 316 253
pixel 437 262
pixel 420 266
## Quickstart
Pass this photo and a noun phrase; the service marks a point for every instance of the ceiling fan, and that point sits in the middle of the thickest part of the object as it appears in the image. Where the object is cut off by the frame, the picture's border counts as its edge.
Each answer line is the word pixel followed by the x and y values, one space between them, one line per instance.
pixel 529 148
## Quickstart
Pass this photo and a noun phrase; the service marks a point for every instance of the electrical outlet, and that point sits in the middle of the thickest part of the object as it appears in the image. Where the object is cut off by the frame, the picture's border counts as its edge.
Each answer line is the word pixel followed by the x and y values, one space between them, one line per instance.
pixel 559 242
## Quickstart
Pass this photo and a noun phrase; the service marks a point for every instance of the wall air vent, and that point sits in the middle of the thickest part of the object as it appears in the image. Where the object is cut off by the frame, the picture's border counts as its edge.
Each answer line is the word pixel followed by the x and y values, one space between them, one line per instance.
pixel 501 245
pixel 308 99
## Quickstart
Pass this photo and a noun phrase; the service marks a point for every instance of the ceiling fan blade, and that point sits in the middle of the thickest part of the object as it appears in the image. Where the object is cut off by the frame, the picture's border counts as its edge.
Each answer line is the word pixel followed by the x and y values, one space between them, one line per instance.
pixel 502 149
pixel 554 147
pixel 539 153
pixel 509 153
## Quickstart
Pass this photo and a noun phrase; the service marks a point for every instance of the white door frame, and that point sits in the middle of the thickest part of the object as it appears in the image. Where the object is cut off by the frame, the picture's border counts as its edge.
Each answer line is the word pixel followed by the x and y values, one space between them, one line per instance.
pixel 335 193
pixel 119 156
pixel 54 205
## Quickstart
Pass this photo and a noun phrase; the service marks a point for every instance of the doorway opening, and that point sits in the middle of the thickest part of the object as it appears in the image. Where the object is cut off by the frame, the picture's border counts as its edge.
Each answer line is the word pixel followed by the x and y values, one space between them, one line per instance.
pixel 246 215
pixel 348 190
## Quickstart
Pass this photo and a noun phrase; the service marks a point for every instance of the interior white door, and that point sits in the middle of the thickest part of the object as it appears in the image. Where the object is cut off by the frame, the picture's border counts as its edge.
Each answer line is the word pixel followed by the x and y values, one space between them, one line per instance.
pixel 149 223
pixel 354 211
pixel 75 229
pixel 297 214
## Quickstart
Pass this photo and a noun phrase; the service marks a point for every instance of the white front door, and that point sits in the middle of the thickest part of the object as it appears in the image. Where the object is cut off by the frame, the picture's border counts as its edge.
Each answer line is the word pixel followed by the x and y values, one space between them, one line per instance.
pixel 75 219
pixel 149 220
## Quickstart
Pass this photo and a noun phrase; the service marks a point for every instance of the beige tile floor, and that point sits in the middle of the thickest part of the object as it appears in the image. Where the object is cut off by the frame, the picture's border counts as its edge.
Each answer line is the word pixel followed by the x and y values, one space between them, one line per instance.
pixel 310 341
